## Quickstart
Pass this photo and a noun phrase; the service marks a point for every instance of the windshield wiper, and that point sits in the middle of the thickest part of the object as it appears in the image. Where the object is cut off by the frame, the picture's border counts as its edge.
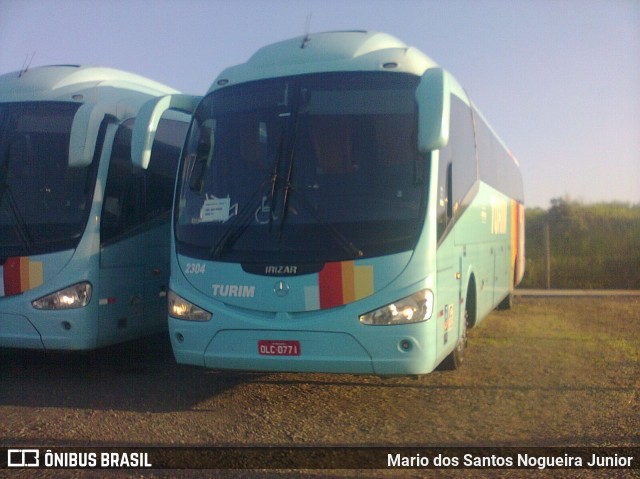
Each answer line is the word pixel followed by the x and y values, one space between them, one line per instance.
pixel 243 219
pixel 300 100
pixel 287 147
pixel 274 177
pixel 347 245
pixel 342 240
pixel 238 225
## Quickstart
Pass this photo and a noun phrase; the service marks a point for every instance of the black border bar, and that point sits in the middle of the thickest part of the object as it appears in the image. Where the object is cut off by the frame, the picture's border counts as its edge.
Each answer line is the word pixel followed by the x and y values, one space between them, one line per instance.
pixel 303 457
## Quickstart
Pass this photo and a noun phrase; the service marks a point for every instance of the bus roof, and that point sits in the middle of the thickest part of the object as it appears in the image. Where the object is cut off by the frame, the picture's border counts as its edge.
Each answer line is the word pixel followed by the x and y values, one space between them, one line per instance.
pixel 325 52
pixel 77 83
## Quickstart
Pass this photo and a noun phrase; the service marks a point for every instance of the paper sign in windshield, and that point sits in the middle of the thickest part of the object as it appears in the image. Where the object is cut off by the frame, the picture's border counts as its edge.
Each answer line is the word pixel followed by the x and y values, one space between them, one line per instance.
pixel 215 209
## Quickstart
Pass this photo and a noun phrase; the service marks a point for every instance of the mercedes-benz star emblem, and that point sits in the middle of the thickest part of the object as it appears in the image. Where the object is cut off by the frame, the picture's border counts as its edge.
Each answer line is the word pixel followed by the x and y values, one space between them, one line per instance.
pixel 281 289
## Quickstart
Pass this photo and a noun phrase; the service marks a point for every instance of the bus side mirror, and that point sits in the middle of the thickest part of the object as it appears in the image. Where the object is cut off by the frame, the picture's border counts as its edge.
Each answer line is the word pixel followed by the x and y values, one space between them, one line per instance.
pixel 84 133
pixel 146 123
pixel 434 103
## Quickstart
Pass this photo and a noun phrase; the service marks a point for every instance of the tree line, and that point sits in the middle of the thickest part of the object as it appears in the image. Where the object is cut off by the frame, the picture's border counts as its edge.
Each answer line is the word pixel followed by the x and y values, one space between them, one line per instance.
pixel 583 246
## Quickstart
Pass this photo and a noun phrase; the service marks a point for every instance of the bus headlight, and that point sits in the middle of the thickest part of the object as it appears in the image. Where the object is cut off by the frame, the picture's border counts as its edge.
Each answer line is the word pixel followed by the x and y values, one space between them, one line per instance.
pixel 180 308
pixel 76 296
pixel 412 309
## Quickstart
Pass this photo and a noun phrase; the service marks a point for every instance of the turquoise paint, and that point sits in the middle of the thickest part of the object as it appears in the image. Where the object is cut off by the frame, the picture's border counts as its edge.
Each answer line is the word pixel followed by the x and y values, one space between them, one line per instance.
pixel 129 276
pixel 249 307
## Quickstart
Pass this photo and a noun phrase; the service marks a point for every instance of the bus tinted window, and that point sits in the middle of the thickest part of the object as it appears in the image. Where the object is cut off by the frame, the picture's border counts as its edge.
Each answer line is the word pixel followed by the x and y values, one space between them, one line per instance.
pixel 496 165
pixel 123 203
pixel 51 201
pixel 298 159
pixel 161 173
pixel 457 170
pixel 134 196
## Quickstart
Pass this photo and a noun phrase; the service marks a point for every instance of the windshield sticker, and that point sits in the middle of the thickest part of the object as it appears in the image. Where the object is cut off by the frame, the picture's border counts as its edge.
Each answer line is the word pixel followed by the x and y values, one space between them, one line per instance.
pixel 19 274
pixel 263 213
pixel 217 209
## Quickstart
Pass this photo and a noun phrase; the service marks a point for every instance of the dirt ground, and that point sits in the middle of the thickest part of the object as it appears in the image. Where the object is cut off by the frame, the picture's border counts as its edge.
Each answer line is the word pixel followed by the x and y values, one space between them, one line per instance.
pixel 550 372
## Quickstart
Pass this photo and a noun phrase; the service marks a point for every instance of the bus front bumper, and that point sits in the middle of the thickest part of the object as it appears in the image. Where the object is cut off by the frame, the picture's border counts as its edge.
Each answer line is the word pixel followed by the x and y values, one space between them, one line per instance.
pixel 317 352
pixel 16 331
pixel 301 351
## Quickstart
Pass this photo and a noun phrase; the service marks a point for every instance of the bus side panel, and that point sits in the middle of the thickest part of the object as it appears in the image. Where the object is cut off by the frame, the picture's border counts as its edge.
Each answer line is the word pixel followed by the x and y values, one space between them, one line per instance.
pixel 134 277
pixel 447 307
pixel 501 232
pixel 484 234
pixel 134 234
pixel 121 290
pixel 156 279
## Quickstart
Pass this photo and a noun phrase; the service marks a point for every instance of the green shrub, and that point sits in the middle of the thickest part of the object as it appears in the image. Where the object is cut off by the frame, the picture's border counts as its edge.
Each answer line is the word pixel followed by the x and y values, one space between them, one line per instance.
pixel 593 246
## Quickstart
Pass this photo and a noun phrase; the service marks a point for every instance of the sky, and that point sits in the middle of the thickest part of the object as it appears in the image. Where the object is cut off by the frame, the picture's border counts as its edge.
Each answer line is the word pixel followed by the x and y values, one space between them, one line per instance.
pixel 559 80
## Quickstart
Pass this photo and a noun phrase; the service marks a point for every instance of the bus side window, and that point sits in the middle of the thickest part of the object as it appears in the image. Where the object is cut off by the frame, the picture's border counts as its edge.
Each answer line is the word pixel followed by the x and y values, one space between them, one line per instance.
pixel 123 204
pixel 133 195
pixel 463 153
pixel 161 173
pixel 459 150
pixel 445 192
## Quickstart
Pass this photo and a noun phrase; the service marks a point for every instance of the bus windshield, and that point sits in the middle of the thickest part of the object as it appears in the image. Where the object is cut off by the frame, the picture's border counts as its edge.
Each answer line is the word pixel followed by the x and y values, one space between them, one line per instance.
pixel 312 168
pixel 43 203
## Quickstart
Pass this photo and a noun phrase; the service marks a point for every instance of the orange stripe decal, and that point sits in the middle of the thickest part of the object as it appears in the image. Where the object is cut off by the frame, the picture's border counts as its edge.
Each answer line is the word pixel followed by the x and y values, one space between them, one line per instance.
pixel 342 283
pixel 348 282
pixel 20 274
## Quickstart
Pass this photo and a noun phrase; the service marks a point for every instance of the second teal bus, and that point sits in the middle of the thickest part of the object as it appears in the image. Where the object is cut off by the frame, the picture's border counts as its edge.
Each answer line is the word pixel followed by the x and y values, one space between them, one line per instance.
pixel 84 234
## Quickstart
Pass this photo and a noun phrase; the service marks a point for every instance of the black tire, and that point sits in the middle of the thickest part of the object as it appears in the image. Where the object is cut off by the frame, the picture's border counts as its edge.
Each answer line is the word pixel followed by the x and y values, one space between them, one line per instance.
pixel 506 304
pixel 456 357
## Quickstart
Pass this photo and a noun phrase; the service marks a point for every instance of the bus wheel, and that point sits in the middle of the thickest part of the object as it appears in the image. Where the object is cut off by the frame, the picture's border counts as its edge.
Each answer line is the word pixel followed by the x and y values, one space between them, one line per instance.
pixel 455 359
pixel 507 303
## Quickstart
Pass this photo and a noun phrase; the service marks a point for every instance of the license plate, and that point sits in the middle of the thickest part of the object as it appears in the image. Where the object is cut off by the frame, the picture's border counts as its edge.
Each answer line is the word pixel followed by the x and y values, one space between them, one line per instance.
pixel 278 348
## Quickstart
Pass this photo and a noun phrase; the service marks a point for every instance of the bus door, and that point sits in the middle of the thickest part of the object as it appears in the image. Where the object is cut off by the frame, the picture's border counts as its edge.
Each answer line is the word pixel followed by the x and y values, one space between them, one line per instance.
pixel 160 177
pixel 156 278
pixel 448 261
pixel 122 246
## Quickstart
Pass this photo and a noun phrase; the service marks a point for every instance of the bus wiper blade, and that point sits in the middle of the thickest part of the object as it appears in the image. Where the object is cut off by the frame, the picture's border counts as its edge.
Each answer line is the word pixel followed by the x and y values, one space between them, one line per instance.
pixel 242 220
pixel 274 179
pixel 342 240
pixel 289 187
pixel 300 100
